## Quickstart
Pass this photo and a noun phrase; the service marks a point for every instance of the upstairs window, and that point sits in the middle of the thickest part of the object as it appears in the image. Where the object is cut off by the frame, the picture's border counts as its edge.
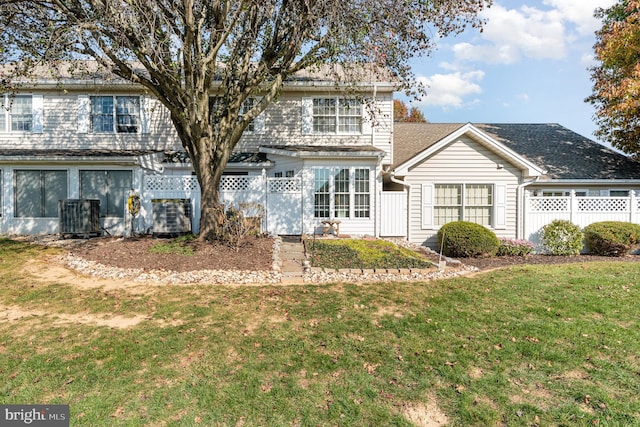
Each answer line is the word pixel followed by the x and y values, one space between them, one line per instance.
pixel 21 113
pixel 256 125
pixel 119 114
pixel 335 115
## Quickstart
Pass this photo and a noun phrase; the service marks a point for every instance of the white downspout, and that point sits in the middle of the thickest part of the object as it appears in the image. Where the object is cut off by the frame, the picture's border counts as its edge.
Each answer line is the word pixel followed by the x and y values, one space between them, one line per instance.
pixel 392 177
pixel 521 201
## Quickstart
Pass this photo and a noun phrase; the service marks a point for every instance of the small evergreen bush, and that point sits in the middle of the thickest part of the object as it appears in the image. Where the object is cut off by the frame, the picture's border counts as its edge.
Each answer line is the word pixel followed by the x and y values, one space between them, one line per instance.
pixel 515 247
pixel 562 237
pixel 463 239
pixel 611 238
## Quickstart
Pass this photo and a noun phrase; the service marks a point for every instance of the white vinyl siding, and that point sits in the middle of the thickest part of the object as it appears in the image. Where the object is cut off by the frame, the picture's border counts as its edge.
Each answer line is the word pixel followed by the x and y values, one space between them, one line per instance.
pixel 37 192
pixel 463 162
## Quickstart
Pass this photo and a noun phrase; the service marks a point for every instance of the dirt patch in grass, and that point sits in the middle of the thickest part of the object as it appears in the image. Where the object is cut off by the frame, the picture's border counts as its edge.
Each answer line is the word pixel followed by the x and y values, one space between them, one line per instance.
pixel 425 414
pixel 14 313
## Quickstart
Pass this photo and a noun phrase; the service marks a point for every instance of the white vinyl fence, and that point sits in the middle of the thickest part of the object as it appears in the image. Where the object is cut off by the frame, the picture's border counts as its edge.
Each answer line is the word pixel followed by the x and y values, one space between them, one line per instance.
pixel 393 214
pixel 582 211
pixel 233 189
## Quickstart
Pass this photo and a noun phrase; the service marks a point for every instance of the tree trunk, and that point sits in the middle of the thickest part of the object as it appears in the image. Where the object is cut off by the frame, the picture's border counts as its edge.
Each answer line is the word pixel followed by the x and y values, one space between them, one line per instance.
pixel 209 166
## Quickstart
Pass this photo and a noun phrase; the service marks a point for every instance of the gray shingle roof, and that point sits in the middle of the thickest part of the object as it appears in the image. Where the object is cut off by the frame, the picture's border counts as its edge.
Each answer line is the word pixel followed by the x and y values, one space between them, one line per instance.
pixel 64 153
pixel 563 153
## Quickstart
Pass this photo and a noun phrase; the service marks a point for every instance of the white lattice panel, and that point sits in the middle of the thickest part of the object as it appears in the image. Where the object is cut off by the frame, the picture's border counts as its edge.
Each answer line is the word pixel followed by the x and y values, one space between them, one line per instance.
pixel 234 183
pixel 171 183
pixel 284 185
pixel 549 204
pixel 603 204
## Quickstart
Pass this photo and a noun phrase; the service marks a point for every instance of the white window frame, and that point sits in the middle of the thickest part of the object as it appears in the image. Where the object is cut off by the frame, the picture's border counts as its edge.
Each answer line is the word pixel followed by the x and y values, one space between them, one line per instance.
pixel 350 211
pixel 6 111
pixel 114 114
pixel 85 114
pixel 498 207
pixel 309 126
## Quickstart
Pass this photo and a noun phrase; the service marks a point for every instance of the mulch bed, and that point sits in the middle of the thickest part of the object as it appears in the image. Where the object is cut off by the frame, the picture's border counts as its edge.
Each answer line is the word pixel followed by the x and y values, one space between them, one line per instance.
pixel 255 254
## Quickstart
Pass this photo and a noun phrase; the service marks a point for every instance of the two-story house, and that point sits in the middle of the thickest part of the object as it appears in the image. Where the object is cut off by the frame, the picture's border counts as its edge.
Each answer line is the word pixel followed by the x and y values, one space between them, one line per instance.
pixel 313 155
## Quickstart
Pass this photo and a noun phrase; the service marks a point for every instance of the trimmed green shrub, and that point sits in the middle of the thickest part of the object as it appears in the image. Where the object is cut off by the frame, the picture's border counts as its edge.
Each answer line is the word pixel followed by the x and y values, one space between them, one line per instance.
pixel 611 238
pixel 515 247
pixel 463 239
pixel 562 237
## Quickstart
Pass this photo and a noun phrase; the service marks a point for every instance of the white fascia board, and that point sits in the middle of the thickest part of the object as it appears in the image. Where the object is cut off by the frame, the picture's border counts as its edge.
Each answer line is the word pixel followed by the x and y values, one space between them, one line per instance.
pixel 68 160
pixel 322 154
pixel 531 170
pixel 565 182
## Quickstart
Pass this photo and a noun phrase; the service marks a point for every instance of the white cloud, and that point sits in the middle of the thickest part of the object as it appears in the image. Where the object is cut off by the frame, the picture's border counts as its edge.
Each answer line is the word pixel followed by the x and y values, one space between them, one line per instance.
pixel 532 32
pixel 513 33
pixel 450 90
pixel 580 12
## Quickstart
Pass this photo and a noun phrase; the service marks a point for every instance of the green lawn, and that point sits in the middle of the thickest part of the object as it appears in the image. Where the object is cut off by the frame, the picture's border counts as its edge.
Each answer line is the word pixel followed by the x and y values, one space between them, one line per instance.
pixel 552 345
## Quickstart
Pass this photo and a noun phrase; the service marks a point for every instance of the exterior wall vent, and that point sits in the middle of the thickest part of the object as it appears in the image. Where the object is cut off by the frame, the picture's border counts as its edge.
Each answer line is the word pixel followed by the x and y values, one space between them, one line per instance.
pixel 79 217
pixel 171 216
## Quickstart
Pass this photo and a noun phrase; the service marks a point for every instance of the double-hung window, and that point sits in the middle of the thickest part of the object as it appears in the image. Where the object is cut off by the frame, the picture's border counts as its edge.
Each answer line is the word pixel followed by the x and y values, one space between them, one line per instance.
pixel 341 193
pixel 21 113
pixel 111 187
pixel 256 125
pixel 119 114
pixel 37 192
pixel 335 115
pixel 463 202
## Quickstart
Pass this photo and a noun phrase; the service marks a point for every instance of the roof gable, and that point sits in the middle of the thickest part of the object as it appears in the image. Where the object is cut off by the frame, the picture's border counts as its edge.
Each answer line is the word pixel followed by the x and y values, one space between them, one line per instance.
pixel 415 142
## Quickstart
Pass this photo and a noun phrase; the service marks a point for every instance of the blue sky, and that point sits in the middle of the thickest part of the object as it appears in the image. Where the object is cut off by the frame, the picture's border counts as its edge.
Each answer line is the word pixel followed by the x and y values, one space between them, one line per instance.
pixel 529 65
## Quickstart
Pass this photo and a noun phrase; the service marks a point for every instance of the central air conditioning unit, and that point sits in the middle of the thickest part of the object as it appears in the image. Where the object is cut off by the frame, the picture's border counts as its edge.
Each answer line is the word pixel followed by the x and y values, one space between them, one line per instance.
pixel 79 217
pixel 171 216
